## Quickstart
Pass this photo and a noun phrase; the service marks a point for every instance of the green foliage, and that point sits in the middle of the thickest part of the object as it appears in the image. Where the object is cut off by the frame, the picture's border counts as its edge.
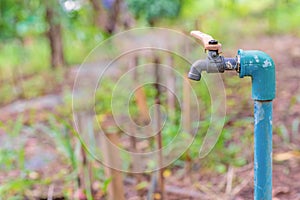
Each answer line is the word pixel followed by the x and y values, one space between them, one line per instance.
pixel 103 97
pixel 12 151
pixel 18 58
pixel 12 158
pixel 230 149
pixel 15 189
pixel 79 41
pixel 105 185
pixel 21 18
pixel 153 10
pixel 228 20
pixel 24 26
pixel 62 138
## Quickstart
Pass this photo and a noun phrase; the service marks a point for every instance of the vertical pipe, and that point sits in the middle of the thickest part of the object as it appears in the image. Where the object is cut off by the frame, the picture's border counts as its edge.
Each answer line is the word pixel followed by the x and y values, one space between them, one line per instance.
pixel 262 150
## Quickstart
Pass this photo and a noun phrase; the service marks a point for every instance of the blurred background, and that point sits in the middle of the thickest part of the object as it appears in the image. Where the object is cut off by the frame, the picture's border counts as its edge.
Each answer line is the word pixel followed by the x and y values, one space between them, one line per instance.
pixel 43 43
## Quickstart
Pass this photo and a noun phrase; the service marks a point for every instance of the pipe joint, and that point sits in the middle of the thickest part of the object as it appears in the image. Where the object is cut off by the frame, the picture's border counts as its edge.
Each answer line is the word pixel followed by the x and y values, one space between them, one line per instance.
pixel 261 68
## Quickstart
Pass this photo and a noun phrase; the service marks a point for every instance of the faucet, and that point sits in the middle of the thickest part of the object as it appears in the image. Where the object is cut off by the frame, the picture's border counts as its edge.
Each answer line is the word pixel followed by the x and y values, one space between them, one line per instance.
pixel 214 63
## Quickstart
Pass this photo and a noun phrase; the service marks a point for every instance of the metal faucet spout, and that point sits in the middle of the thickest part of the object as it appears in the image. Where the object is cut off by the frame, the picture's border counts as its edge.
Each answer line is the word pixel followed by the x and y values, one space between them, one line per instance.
pixel 214 63
pixel 196 69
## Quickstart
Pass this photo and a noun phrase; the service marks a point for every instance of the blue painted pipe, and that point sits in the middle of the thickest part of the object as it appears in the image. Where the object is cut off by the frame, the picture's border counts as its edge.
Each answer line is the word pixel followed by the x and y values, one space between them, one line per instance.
pixel 262 150
pixel 261 68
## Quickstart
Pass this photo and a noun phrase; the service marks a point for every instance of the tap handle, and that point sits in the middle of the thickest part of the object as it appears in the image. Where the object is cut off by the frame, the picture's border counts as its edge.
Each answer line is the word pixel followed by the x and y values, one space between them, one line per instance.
pixel 207 41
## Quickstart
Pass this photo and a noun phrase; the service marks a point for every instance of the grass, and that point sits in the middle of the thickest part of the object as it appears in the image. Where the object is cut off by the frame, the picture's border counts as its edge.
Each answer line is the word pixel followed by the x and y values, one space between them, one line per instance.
pixel 23 58
pixel 14 158
pixel 23 87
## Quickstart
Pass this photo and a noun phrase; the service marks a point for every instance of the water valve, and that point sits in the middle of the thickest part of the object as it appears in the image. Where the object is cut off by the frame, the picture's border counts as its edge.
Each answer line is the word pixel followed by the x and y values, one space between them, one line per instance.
pixel 214 63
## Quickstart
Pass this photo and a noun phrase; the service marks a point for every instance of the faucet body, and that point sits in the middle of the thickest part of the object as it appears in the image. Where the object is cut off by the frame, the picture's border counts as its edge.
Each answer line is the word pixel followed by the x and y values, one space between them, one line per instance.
pixel 214 63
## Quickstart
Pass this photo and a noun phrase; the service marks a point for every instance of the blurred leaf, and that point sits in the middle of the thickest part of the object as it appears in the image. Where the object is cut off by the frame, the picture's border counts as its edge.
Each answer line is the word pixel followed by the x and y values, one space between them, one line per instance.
pixel 106 184
pixel 14 187
pixel 142 185
pixel 284 133
pixel 239 162
pixel 18 125
pixel 295 127
pixel 220 168
pixel 63 140
pixel 286 156
pixel 153 10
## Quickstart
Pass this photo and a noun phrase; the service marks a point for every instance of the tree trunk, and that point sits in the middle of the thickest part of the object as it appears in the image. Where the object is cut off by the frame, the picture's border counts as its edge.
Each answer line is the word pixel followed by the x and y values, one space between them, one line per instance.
pixel 55 39
pixel 100 15
pixel 113 17
pixel 113 160
pixel 161 181
pixel 106 19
